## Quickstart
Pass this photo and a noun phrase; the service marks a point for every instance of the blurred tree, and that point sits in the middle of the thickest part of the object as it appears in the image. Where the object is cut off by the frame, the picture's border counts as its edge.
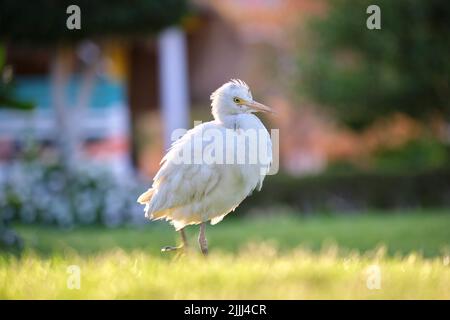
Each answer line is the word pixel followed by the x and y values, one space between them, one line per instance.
pixel 365 74
pixel 44 21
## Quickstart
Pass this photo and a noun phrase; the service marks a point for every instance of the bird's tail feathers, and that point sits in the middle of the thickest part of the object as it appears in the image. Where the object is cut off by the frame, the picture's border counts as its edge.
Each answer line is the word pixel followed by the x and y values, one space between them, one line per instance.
pixel 146 196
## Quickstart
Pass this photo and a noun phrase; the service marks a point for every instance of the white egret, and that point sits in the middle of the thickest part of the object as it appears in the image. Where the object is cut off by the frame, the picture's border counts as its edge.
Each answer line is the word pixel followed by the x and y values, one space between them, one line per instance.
pixel 190 189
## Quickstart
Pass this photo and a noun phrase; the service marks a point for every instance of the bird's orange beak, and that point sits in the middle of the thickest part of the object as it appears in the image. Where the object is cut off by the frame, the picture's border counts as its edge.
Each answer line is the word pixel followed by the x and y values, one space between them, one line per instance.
pixel 259 107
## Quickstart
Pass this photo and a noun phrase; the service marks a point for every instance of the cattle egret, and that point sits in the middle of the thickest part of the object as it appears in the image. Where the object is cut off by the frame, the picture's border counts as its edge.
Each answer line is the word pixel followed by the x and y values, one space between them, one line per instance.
pixel 213 167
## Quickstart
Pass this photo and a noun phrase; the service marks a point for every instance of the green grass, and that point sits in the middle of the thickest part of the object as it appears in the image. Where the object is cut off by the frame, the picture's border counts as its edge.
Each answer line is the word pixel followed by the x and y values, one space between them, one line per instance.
pixel 279 256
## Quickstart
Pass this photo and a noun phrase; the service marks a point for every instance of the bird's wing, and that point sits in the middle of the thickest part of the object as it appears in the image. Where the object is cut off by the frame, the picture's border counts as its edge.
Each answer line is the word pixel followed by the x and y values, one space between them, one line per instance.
pixel 178 182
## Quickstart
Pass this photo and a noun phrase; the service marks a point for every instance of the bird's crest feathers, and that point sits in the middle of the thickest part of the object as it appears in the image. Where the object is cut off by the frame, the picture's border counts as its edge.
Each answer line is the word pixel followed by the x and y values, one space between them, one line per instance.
pixel 239 82
pixel 232 82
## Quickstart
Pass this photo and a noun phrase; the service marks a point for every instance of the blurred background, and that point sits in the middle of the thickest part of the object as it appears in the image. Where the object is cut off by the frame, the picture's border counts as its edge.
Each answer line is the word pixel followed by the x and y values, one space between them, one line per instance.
pixel 86 115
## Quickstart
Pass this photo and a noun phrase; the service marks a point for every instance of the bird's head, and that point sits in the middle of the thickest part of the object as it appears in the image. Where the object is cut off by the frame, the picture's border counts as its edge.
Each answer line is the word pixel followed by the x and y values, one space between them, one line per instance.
pixel 235 97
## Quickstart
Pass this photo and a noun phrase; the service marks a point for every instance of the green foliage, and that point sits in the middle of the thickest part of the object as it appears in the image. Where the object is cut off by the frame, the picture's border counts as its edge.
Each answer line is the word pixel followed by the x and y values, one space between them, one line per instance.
pixel 44 21
pixel 419 155
pixel 7 98
pixel 365 74
pixel 423 154
pixel 355 190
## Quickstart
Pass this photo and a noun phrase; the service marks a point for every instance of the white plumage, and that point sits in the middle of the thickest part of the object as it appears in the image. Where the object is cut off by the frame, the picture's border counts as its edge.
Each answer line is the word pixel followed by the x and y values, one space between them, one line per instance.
pixel 209 171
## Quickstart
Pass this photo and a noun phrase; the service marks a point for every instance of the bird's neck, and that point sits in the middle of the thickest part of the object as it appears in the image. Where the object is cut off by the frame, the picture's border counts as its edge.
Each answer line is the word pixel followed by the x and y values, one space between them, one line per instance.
pixel 228 121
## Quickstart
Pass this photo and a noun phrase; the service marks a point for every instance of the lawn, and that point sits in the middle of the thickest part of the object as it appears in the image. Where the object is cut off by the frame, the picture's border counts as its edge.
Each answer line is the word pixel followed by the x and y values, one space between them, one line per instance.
pixel 374 255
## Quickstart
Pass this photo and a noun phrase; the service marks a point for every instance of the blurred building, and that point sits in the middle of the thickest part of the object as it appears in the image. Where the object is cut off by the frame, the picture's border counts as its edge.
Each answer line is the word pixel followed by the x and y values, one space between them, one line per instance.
pixel 104 127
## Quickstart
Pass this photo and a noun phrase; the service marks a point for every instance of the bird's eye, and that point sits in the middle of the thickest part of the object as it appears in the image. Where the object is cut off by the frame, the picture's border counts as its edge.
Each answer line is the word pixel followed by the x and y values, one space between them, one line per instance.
pixel 236 100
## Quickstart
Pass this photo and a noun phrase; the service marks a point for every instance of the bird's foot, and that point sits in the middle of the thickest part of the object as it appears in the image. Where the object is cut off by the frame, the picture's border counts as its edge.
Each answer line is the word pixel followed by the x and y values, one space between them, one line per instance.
pixel 179 249
pixel 170 248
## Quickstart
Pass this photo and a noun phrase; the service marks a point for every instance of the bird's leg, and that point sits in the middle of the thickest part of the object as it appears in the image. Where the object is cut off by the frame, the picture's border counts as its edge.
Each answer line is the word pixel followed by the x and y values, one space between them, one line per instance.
pixel 202 239
pixel 184 244
pixel 183 238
